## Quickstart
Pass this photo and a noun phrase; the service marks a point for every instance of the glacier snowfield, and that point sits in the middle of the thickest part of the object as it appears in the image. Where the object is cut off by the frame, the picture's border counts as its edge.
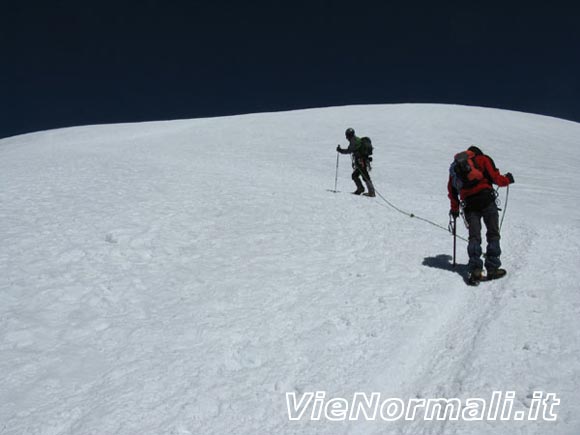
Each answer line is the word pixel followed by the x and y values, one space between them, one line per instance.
pixel 181 277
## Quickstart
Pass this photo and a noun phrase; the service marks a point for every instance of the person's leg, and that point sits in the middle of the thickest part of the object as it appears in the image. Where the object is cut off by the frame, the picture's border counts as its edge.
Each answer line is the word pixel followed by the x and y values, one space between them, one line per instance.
pixel 473 219
pixel 356 178
pixel 493 252
pixel 367 178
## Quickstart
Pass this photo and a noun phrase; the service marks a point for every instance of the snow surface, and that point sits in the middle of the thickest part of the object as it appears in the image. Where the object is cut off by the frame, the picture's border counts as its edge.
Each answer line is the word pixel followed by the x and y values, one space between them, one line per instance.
pixel 181 277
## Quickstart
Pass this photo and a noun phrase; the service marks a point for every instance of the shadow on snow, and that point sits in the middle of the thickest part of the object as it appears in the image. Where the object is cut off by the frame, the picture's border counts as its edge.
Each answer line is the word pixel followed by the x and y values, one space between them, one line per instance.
pixel 444 262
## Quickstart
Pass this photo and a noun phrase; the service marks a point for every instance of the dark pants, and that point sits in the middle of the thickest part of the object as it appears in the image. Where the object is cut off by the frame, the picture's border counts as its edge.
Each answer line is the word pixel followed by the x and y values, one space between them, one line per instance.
pixel 490 216
pixel 360 170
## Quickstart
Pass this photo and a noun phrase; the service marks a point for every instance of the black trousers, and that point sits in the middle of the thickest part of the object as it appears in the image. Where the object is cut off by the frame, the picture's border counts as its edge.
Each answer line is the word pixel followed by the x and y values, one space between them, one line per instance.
pixel 361 169
pixel 490 216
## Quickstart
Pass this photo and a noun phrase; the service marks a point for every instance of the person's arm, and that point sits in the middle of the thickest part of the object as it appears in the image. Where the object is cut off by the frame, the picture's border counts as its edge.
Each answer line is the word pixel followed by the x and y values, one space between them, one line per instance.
pixel 453 196
pixel 495 175
pixel 348 150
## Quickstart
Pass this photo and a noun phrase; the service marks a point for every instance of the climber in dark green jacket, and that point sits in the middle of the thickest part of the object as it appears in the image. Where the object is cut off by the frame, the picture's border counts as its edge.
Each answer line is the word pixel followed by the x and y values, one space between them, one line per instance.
pixel 360 163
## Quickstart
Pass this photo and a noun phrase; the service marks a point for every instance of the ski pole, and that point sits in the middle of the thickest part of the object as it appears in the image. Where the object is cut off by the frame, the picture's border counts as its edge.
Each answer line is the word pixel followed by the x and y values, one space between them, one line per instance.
pixel 507 194
pixel 336 175
pixel 454 240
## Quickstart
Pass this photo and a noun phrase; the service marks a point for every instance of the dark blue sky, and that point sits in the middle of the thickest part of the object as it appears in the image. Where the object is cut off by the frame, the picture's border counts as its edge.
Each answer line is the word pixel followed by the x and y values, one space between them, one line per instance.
pixel 68 62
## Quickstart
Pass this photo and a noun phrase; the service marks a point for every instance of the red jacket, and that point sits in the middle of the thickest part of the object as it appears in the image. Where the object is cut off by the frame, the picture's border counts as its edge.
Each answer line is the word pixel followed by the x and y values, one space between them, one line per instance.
pixel 491 175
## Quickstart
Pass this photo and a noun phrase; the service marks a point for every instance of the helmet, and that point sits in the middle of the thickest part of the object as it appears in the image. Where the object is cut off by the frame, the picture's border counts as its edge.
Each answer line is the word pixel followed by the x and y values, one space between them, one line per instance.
pixel 349 133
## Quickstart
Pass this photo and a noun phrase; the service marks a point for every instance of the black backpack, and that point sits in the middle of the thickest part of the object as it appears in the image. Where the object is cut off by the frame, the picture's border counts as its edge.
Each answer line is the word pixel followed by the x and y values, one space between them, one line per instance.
pixel 366 146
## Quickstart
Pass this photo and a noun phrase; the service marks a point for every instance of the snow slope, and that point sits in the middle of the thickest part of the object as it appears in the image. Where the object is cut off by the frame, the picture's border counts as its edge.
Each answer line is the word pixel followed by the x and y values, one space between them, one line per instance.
pixel 181 277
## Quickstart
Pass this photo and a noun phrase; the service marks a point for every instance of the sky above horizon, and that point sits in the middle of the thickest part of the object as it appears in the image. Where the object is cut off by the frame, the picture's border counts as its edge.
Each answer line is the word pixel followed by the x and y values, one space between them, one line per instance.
pixel 68 63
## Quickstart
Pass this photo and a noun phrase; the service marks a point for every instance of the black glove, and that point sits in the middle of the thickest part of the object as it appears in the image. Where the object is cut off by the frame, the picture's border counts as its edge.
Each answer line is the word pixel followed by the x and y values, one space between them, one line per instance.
pixel 510 177
pixel 338 148
pixel 453 213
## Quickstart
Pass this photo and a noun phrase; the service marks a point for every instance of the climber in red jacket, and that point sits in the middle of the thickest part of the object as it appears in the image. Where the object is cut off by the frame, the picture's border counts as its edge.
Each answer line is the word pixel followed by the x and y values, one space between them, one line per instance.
pixel 471 178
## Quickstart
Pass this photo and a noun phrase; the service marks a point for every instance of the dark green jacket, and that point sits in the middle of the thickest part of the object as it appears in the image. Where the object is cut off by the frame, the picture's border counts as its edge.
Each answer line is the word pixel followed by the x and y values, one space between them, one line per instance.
pixel 354 148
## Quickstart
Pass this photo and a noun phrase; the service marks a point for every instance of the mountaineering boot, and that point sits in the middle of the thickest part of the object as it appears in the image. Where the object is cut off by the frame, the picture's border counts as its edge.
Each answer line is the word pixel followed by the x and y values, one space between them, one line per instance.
pixel 370 188
pixel 496 273
pixel 474 277
pixel 359 187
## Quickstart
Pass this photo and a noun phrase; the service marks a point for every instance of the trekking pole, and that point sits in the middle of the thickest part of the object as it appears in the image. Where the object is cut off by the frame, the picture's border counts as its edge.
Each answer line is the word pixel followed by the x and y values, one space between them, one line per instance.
pixel 507 194
pixel 336 175
pixel 454 240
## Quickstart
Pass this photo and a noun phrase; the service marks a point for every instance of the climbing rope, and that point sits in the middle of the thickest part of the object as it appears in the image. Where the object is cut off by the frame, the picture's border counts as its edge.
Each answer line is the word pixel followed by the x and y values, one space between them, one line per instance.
pixel 430 222
pixel 415 216
pixel 406 213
